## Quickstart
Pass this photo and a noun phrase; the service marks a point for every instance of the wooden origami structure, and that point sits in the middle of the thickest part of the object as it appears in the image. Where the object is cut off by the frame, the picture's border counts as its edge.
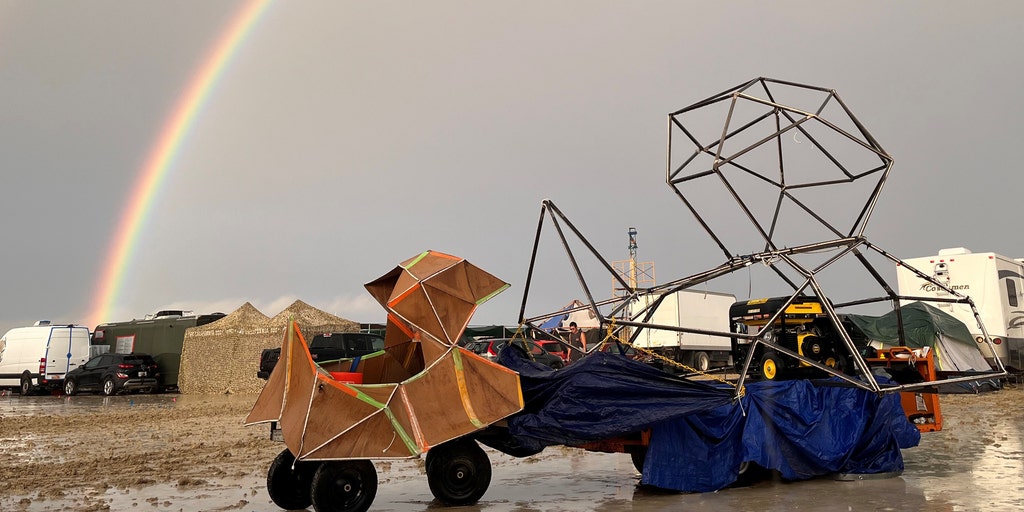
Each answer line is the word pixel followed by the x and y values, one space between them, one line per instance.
pixel 420 391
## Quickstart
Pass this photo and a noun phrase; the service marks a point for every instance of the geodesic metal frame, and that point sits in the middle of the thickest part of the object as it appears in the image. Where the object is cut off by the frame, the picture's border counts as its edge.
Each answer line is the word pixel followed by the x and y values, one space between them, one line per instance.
pixel 716 158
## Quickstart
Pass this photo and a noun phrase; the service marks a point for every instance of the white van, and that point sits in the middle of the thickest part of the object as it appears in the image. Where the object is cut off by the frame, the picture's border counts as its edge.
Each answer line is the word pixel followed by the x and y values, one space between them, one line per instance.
pixel 37 358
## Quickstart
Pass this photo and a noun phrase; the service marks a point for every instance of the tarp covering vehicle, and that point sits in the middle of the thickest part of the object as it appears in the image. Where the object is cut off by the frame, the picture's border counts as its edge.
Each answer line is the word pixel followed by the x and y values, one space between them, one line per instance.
pixel 700 437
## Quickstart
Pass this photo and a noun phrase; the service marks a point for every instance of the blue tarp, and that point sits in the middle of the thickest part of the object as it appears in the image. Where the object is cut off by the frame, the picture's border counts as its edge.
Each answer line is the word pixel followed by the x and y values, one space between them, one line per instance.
pixel 699 434
pixel 599 397
pixel 553 323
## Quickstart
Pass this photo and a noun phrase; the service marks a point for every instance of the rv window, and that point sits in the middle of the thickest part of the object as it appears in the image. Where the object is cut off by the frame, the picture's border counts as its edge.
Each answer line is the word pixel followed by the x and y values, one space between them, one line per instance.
pixel 1011 293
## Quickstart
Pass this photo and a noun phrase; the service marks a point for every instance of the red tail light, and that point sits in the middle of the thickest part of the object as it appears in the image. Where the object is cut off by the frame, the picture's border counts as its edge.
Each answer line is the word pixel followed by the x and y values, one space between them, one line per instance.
pixel 997 341
pixel 42 366
pixel 125 366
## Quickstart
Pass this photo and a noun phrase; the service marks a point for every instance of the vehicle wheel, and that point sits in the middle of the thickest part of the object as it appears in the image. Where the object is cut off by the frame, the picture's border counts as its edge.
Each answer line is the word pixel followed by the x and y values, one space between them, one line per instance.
pixel 26 385
pixel 109 386
pixel 701 361
pixel 290 489
pixel 639 456
pixel 458 472
pixel 70 389
pixel 750 473
pixel 771 366
pixel 344 486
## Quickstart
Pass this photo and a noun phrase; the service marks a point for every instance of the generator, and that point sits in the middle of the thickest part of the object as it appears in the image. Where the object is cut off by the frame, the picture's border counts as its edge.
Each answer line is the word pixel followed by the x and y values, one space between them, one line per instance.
pixel 803 327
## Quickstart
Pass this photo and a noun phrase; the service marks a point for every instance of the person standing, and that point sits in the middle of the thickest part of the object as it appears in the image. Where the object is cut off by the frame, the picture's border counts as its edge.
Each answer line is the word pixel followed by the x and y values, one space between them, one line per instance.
pixel 578 339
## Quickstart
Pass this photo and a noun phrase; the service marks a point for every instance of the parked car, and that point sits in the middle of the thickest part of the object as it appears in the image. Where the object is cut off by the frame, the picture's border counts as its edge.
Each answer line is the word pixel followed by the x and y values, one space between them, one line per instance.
pixel 489 349
pixel 556 348
pixel 625 350
pixel 114 373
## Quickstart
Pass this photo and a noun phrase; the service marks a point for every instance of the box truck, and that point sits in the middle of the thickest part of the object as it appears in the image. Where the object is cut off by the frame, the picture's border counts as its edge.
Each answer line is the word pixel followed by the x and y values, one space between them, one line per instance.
pixel 691 309
pixel 36 358
pixel 161 335
pixel 995 284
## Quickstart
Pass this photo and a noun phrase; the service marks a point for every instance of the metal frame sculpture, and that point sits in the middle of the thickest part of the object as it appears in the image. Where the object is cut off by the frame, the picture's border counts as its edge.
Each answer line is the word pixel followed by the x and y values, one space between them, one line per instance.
pixel 757 128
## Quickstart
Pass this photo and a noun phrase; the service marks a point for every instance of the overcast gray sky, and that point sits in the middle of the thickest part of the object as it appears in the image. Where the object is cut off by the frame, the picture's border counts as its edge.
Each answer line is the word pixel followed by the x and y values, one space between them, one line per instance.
pixel 344 137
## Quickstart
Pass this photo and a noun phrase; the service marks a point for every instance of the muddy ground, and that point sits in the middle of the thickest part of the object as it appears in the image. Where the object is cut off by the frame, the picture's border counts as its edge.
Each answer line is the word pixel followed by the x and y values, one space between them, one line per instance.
pixel 191 453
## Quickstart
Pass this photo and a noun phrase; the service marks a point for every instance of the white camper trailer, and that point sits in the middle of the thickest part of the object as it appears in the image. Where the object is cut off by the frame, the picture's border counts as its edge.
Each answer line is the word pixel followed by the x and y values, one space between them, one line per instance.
pixel 38 357
pixel 692 309
pixel 996 285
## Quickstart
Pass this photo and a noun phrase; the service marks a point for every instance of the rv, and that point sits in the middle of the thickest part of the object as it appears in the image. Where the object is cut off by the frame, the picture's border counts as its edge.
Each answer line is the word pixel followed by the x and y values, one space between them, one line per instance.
pixel 993 282
pixel 37 358
pixel 691 309
pixel 161 335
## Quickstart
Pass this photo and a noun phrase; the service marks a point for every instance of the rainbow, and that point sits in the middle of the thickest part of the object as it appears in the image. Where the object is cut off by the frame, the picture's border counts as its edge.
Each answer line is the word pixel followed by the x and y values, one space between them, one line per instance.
pixel 161 159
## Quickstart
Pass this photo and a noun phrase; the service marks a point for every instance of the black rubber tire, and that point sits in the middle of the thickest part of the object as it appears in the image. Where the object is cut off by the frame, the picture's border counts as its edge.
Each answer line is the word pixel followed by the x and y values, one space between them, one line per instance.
pixel 639 457
pixel 458 472
pixel 288 488
pixel 845 365
pixel 70 389
pixel 701 361
pixel 770 366
pixel 26 385
pixel 109 386
pixel 751 473
pixel 344 486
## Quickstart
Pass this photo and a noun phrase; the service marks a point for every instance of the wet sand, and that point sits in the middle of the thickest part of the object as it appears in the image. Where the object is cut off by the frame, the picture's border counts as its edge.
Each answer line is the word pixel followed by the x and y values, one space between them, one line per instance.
pixel 191 453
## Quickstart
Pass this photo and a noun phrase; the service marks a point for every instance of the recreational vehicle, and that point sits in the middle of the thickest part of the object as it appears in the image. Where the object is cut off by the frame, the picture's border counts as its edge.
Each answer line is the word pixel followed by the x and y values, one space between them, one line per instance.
pixel 37 358
pixel 161 335
pixel 993 282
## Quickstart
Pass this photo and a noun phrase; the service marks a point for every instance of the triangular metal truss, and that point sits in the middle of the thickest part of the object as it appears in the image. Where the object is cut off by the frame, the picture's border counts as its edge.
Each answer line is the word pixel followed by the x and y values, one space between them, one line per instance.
pixel 798 266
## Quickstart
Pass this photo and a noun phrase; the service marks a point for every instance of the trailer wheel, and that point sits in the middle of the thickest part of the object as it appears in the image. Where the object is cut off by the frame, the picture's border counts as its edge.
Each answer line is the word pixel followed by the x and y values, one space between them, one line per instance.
pixel 639 456
pixel 750 473
pixel 771 366
pixel 344 486
pixel 290 488
pixel 458 472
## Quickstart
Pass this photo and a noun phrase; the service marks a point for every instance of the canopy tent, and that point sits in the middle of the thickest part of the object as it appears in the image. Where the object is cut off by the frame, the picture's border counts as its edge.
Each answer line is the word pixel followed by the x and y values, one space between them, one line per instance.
pixel 926 326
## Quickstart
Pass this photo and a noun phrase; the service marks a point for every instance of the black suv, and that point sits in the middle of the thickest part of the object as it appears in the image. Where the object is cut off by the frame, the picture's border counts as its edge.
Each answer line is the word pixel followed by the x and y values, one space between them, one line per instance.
pixel 114 373
pixel 329 346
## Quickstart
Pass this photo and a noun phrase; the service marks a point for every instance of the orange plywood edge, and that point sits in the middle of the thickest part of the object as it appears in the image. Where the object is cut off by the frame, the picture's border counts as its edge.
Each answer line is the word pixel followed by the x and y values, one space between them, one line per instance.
pixel 421 390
